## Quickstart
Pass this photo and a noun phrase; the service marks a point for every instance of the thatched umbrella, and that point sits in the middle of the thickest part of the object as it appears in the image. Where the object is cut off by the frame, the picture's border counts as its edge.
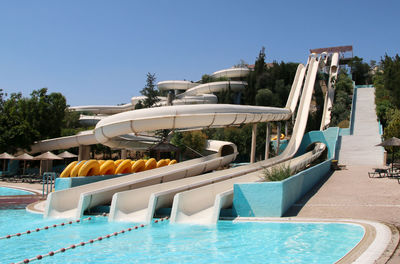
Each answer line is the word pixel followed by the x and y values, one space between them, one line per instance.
pixel 24 157
pixel 391 142
pixel 5 156
pixel 67 155
pixel 46 156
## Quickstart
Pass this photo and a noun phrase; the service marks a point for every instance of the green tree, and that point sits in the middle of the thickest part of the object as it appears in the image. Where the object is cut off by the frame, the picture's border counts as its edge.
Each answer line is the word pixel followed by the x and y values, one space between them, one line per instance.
pixel 393 127
pixel 360 71
pixel 25 120
pixel 264 97
pixel 343 98
pixel 150 91
pixel 253 79
pixel 139 105
pixel 192 143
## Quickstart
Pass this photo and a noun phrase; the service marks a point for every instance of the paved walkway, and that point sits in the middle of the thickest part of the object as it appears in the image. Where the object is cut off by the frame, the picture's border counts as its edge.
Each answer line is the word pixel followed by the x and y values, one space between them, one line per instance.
pixel 351 193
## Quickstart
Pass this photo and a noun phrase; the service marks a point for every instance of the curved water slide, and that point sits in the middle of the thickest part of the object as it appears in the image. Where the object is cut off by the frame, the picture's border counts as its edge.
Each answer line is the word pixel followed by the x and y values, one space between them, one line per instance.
pixel 73 202
pixel 88 138
pixel 213 87
pixel 140 205
pixel 189 208
pixel 196 92
pixel 111 109
pixel 174 85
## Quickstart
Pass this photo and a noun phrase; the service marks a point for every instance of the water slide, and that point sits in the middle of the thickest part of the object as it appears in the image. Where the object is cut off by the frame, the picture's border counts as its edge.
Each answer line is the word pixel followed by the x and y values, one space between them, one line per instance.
pixel 140 205
pixel 330 93
pixel 73 202
pixel 189 208
pixel 197 94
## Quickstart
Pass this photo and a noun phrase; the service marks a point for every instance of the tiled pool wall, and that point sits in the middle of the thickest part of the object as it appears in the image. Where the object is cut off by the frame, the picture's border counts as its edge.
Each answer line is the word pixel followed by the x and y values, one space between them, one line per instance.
pixel 273 199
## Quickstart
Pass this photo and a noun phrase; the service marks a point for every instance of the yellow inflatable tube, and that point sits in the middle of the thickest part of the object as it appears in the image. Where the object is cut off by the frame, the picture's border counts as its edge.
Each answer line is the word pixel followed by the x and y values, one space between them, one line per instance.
pixel 282 137
pixel 172 162
pixel 162 163
pixel 138 166
pixel 117 162
pixel 75 170
pixel 124 167
pixel 107 168
pixel 67 171
pixel 89 168
pixel 151 164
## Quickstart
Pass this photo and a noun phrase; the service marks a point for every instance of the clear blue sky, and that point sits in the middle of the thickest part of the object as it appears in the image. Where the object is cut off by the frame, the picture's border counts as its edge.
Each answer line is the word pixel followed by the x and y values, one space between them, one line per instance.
pixel 98 52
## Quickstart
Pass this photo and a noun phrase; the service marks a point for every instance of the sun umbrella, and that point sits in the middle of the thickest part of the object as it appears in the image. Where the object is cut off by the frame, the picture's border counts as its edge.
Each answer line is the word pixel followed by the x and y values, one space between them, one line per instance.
pixel 24 157
pixel 391 142
pixel 46 156
pixel 67 155
pixel 5 156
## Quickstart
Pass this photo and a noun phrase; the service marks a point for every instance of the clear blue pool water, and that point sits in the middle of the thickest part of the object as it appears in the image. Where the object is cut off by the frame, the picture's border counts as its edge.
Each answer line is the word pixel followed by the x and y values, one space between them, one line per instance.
pixel 226 242
pixel 5 191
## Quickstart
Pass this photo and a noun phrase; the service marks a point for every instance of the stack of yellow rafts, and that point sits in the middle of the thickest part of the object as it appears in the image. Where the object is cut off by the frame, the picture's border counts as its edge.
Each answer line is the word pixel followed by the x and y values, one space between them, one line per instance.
pixel 110 167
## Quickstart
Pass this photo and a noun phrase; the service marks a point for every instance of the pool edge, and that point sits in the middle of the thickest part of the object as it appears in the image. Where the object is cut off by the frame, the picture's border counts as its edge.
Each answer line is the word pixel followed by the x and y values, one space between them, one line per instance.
pixel 377 245
pixel 35 192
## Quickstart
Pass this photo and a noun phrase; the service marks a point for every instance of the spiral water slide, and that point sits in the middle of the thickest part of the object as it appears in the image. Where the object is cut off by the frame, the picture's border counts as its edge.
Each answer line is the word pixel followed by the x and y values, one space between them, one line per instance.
pixel 196 93
pixel 199 199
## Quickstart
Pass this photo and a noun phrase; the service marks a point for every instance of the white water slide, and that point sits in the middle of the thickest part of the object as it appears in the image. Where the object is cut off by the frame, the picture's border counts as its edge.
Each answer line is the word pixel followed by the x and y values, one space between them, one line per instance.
pixel 196 93
pixel 330 93
pixel 73 202
pixel 200 199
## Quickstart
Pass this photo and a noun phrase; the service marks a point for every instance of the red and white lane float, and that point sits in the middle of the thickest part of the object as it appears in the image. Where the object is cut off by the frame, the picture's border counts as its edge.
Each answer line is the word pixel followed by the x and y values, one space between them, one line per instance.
pixel 50 226
pixel 83 243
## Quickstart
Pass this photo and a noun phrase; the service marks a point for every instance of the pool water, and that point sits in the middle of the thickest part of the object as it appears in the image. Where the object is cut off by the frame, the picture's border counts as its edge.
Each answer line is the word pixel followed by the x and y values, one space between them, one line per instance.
pixel 5 191
pixel 227 242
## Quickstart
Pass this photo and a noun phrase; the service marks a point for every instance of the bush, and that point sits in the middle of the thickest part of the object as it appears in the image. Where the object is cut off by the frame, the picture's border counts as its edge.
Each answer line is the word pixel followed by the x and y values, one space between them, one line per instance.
pixel 344 124
pixel 277 173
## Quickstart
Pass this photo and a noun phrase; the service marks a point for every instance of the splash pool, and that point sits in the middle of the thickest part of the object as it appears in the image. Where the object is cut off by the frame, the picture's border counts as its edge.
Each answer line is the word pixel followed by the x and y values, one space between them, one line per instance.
pixel 5 191
pixel 227 242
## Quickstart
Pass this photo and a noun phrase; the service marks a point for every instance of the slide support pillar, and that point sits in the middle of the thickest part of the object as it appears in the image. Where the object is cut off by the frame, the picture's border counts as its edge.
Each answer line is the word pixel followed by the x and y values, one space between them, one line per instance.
pixel 84 152
pixel 124 153
pixel 286 128
pixel 253 143
pixel 267 139
pixel 278 137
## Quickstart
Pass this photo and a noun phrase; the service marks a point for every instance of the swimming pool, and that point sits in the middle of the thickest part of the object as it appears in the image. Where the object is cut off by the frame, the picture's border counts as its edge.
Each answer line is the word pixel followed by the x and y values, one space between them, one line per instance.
pixel 5 191
pixel 227 242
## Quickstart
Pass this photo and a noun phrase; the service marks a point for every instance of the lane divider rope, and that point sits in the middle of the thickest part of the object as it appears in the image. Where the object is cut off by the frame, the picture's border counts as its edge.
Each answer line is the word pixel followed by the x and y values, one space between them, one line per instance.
pixel 48 227
pixel 91 241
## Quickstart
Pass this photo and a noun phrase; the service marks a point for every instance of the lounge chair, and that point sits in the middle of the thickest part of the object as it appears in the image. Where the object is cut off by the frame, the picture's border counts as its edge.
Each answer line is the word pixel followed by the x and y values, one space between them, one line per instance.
pixel 378 173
